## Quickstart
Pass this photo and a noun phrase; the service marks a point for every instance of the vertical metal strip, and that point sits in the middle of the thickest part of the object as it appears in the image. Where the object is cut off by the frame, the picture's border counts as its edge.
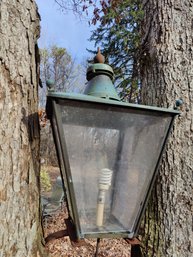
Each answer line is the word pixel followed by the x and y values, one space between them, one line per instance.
pixel 116 166
pixel 67 170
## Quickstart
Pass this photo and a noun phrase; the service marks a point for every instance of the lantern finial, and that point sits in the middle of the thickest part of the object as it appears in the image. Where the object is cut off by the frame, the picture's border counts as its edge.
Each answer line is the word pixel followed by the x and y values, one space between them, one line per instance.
pixel 99 58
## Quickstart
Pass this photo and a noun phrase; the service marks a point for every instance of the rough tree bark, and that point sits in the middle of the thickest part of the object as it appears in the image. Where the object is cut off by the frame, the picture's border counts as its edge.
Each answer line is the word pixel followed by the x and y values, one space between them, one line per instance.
pixel 167 74
pixel 20 230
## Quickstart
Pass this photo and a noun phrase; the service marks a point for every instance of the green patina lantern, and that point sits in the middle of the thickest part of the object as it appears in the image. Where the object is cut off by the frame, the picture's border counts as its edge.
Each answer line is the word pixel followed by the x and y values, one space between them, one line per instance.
pixel 109 153
pixel 100 77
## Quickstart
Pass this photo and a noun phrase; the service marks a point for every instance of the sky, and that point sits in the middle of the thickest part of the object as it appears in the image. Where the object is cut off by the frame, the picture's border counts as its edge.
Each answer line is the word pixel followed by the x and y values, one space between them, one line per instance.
pixel 64 30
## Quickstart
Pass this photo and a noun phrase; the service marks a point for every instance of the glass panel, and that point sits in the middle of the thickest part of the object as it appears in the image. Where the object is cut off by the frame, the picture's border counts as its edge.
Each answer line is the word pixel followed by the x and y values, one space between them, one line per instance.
pixel 112 153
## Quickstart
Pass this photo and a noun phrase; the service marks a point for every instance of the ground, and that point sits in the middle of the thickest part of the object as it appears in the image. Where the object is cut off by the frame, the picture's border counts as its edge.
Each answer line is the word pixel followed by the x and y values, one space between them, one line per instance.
pixel 63 248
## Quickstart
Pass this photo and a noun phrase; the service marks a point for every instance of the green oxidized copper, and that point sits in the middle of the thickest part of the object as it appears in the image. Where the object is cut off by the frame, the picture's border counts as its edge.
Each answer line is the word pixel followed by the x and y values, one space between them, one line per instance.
pixel 50 84
pixel 100 76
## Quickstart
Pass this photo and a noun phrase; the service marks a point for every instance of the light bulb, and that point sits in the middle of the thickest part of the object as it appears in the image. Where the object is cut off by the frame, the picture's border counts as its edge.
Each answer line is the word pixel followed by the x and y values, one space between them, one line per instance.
pixel 105 178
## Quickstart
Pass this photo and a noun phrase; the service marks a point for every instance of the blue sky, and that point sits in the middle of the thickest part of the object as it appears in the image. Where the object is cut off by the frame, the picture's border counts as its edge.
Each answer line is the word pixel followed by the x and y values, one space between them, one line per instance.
pixel 64 30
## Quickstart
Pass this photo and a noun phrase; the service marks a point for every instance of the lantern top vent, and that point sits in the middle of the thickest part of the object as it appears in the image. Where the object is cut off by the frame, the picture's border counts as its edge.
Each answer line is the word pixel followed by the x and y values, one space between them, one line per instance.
pixel 100 77
pixel 99 67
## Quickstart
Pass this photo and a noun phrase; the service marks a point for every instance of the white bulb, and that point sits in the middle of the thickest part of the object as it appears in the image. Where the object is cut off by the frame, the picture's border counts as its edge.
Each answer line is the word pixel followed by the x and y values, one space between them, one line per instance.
pixel 105 178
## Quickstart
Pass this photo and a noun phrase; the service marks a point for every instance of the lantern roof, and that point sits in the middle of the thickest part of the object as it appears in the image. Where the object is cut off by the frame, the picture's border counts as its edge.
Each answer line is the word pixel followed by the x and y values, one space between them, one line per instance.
pixel 93 99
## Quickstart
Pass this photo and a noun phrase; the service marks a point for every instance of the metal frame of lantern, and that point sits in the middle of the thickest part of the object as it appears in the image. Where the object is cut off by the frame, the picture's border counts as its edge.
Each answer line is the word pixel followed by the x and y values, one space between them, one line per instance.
pixel 53 113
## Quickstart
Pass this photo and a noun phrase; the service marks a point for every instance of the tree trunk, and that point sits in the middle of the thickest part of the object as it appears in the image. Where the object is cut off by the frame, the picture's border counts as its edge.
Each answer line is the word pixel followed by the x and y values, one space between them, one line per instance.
pixel 20 230
pixel 167 75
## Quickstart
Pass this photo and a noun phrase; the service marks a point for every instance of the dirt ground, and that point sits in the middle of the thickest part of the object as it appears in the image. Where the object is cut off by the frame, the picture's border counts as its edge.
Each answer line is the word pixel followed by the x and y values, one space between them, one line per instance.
pixel 62 247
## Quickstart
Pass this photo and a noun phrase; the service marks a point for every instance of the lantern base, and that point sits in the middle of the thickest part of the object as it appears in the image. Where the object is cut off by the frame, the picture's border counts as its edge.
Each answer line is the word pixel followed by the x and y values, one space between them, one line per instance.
pixel 110 225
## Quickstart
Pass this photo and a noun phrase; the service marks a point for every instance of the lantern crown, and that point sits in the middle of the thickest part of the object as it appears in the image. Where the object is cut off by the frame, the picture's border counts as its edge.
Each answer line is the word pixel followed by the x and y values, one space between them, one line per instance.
pixel 100 77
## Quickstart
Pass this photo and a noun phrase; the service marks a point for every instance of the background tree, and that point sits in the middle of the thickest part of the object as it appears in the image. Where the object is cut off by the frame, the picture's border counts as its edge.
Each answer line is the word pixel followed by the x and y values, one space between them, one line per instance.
pixel 58 65
pixel 19 130
pixel 118 36
pixel 166 75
